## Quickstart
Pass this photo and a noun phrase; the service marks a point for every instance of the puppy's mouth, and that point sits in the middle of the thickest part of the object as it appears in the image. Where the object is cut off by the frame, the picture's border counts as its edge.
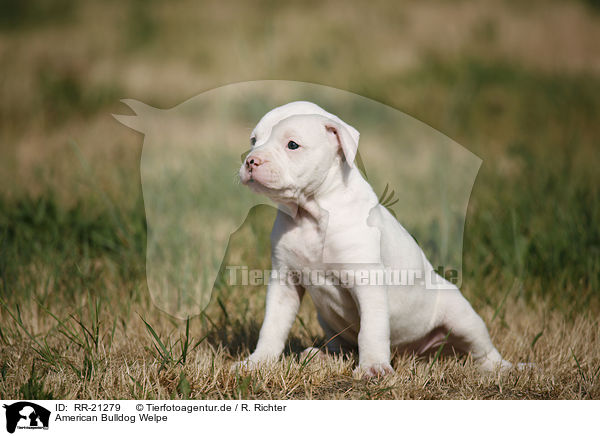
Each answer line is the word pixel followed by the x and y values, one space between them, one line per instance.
pixel 257 184
pixel 253 177
pixel 248 178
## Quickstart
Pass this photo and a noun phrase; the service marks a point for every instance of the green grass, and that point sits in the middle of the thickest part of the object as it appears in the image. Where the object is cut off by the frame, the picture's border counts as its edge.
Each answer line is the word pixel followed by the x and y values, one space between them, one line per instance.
pixel 534 219
pixel 535 223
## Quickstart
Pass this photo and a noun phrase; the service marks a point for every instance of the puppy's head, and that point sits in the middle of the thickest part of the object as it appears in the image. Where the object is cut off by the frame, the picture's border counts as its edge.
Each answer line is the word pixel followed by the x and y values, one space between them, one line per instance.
pixel 293 154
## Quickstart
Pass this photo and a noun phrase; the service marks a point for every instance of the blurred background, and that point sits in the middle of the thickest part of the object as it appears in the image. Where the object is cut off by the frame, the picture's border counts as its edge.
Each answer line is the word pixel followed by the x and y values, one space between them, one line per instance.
pixel 516 83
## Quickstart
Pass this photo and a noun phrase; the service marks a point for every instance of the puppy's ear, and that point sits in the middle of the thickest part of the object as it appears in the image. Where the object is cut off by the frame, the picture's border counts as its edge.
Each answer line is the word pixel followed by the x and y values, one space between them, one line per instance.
pixel 347 139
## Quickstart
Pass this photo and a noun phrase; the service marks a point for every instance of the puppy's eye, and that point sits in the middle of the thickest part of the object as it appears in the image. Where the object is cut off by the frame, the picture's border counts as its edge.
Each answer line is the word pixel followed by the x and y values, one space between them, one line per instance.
pixel 253 140
pixel 292 145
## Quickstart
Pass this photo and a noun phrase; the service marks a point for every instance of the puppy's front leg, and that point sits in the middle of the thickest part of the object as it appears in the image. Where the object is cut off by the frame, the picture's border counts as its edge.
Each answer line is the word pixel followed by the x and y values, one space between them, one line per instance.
pixel 283 302
pixel 374 334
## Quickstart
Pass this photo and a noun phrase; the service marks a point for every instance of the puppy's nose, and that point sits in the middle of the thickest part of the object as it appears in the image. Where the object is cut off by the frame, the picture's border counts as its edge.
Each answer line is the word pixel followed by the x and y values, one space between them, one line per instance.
pixel 253 162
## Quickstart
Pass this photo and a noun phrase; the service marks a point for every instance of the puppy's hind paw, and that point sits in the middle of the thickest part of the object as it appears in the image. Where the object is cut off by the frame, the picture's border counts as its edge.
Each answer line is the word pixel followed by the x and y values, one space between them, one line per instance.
pixel 376 370
pixel 524 366
pixel 489 366
pixel 505 366
pixel 311 353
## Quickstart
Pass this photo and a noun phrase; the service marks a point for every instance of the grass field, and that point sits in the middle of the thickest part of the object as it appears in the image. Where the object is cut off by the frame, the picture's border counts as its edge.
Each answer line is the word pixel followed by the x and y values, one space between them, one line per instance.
pixel 519 85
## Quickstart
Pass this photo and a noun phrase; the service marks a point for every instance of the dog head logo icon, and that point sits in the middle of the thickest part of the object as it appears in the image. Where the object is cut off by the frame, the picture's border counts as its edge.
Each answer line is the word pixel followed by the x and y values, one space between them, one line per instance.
pixel 26 415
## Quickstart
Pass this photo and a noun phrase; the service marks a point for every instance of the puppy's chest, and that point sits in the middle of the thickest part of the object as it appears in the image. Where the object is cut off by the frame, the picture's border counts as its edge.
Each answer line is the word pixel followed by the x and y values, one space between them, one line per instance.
pixel 301 246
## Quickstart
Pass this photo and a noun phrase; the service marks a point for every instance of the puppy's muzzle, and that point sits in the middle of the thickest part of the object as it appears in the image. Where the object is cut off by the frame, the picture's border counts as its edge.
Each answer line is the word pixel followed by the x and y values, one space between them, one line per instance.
pixel 250 168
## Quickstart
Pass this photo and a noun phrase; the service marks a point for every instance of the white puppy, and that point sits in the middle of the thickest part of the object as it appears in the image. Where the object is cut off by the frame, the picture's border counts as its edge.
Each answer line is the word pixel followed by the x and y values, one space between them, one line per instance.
pixel 330 221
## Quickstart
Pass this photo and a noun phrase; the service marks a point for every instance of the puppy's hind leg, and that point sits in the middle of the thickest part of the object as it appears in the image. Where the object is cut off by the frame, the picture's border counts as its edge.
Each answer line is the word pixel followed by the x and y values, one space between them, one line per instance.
pixel 468 332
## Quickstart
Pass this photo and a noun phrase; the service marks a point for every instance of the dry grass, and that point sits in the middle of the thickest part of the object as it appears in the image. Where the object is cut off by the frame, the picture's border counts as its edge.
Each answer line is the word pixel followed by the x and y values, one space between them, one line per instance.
pixel 126 365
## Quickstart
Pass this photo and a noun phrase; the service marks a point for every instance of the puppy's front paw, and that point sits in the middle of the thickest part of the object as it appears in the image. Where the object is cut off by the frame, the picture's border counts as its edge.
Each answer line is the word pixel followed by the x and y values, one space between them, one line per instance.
pixel 244 365
pixel 255 361
pixel 375 370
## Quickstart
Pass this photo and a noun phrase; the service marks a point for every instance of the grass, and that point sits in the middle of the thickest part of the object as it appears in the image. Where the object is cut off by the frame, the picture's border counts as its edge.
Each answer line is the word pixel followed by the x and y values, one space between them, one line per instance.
pixel 76 318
